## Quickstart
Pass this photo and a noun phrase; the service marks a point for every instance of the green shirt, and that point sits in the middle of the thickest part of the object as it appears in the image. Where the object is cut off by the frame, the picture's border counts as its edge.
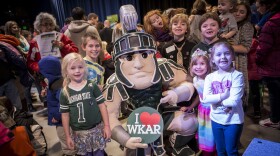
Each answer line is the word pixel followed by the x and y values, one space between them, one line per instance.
pixel 82 106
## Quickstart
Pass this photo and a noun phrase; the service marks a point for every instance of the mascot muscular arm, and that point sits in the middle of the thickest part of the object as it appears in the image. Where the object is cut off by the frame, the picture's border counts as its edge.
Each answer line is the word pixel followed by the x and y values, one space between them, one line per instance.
pixel 140 78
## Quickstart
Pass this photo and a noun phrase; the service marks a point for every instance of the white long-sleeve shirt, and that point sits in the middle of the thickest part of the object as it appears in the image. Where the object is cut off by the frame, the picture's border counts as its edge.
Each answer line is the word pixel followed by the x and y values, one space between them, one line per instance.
pixel 215 84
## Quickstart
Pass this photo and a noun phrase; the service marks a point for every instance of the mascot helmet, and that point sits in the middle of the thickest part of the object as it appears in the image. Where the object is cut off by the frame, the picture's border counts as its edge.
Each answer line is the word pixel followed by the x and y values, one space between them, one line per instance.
pixel 131 41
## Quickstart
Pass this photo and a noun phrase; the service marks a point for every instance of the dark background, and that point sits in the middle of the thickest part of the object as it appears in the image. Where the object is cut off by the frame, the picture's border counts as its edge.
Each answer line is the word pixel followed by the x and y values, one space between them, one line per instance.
pixel 25 11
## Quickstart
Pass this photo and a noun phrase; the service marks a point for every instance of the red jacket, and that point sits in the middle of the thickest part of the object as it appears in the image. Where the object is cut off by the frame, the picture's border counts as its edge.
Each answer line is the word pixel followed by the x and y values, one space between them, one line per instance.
pixel 268 51
pixel 252 66
pixel 34 56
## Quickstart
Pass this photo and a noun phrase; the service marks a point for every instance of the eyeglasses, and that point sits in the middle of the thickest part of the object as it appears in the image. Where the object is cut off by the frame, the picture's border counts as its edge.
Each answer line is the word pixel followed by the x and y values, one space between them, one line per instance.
pixel 47 24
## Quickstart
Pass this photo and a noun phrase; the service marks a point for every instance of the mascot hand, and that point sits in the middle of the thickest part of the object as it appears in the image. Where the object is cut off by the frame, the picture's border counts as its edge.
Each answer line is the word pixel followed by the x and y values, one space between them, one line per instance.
pixel 170 97
pixel 135 142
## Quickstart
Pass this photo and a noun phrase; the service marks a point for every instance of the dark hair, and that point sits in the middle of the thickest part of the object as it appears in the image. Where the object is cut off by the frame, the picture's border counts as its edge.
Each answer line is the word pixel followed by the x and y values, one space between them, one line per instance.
pixel 78 13
pixel 268 3
pixel 91 15
pixel 8 27
pixel 99 26
pixel 68 20
pixel 276 7
pixel 199 7
pixel 25 33
pixel 248 16
pixel 208 15
pixel 2 29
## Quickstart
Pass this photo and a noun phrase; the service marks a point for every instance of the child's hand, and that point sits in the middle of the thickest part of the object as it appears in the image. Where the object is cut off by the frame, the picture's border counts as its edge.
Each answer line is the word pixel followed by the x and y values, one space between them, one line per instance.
pixel 107 132
pixel 185 109
pixel 57 44
pixel 223 36
pixel 54 120
pixel 228 110
pixel 70 143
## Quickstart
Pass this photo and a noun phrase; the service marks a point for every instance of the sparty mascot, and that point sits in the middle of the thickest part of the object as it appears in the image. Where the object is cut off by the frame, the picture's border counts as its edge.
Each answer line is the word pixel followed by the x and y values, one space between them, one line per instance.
pixel 142 80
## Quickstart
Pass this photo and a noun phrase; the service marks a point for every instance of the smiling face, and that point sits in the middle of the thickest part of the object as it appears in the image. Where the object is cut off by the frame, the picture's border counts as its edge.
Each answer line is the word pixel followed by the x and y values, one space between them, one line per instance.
pixel 224 6
pixel 15 29
pixel 241 13
pixel 200 67
pixel 156 21
pixel 209 29
pixel 47 25
pixel 222 57
pixel 179 28
pixel 76 71
pixel 138 68
pixel 92 49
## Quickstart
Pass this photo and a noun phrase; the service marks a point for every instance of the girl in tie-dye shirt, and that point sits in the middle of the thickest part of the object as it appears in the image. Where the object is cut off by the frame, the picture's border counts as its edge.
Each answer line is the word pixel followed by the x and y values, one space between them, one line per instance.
pixel 199 68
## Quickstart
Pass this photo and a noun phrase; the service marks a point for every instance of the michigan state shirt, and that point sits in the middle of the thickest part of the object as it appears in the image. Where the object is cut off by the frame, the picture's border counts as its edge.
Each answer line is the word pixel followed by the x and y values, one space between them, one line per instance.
pixel 82 106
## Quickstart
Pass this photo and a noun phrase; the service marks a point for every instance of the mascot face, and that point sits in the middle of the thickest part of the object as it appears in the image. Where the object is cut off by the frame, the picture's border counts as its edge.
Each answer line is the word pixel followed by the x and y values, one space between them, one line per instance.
pixel 138 68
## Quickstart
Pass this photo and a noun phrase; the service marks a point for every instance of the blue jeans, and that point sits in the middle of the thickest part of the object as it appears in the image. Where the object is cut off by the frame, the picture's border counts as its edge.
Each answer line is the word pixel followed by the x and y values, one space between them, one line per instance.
pixel 10 90
pixel 273 86
pixel 227 138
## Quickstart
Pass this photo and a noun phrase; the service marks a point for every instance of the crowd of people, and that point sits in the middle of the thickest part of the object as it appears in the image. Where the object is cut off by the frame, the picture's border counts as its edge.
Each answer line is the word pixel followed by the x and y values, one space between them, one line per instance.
pixel 227 52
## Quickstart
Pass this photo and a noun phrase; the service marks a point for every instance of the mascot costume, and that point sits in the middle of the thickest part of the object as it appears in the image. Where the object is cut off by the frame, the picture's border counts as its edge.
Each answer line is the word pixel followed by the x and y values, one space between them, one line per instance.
pixel 142 80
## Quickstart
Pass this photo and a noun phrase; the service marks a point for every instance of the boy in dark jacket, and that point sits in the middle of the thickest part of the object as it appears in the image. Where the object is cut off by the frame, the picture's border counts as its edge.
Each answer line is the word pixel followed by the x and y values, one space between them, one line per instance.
pixel 50 68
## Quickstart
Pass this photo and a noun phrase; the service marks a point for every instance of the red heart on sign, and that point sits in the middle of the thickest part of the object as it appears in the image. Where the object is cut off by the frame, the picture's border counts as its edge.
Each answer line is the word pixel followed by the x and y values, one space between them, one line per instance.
pixel 148 119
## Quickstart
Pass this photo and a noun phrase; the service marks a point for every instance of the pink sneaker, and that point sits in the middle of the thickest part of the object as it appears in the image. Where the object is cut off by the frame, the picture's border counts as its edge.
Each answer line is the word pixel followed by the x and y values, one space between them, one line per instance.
pixel 268 123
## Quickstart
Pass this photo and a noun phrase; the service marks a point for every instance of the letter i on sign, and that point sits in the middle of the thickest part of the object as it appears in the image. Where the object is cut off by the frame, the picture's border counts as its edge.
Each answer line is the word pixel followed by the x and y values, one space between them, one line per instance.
pixel 136 118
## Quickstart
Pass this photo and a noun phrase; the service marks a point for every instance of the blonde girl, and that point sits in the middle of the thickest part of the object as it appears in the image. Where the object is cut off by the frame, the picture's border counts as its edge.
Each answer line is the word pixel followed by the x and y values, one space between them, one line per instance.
pixel 92 45
pixel 199 69
pixel 224 89
pixel 83 109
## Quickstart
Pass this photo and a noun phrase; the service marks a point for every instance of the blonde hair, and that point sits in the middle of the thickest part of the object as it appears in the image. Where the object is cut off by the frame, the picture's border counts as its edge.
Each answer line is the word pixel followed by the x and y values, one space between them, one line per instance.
pixel 180 17
pixel 148 24
pixel 94 37
pixel 68 60
pixel 194 61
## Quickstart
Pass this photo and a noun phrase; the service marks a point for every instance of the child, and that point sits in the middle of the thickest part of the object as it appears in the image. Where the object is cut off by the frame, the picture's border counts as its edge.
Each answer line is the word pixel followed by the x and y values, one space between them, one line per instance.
pixel 92 45
pixel 199 68
pixel 224 89
pixel 208 7
pixel 50 69
pixel 209 26
pixel 82 107
pixel 180 48
pixel 229 26
pixel 156 25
